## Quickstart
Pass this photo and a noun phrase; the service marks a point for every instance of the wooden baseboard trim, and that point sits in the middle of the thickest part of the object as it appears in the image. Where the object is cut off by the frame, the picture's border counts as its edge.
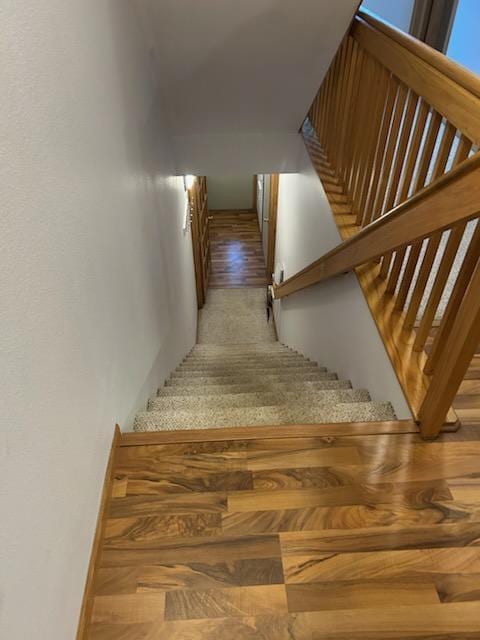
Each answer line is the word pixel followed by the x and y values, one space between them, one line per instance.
pixel 267 432
pixel 87 602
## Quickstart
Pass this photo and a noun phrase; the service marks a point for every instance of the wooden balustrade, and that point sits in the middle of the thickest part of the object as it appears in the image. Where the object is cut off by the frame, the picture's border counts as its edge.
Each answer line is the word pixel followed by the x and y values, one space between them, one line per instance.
pixel 394 133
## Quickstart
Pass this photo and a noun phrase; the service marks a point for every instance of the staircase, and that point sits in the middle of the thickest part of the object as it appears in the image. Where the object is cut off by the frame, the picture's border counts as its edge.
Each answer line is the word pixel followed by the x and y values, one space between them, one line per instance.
pixel 252 384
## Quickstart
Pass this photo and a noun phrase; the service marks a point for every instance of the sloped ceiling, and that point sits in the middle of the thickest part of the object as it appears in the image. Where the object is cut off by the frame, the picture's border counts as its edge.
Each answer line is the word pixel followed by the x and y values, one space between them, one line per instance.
pixel 242 66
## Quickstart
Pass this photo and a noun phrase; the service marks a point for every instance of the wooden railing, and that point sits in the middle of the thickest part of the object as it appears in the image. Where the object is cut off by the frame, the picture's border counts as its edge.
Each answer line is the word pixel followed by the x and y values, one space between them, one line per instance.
pixel 394 133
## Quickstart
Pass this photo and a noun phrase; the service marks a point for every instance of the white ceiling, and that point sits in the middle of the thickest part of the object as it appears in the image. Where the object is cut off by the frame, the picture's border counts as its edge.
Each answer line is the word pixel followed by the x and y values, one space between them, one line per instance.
pixel 242 66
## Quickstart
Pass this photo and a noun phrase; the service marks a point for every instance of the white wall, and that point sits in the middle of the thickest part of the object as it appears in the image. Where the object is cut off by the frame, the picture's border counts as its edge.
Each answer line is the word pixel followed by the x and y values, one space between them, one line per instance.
pixel 245 67
pixel 329 322
pixel 230 192
pixel 97 286
pixel 237 153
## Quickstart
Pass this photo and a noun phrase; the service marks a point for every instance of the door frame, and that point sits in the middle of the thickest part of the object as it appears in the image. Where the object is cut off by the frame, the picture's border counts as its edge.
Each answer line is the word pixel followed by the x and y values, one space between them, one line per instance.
pixel 199 220
pixel 432 22
pixel 272 225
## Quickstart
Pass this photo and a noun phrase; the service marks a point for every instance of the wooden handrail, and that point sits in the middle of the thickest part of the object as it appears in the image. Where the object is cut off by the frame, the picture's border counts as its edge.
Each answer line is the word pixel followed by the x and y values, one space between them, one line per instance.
pixel 403 187
pixel 453 198
pixel 450 98
pixel 456 72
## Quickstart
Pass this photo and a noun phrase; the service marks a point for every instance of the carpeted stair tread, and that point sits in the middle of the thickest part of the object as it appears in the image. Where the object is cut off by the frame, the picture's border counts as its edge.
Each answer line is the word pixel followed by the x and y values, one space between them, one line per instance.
pixel 256 416
pixel 239 374
pixel 220 389
pixel 253 371
pixel 249 361
pixel 239 378
pixel 259 399
pixel 243 349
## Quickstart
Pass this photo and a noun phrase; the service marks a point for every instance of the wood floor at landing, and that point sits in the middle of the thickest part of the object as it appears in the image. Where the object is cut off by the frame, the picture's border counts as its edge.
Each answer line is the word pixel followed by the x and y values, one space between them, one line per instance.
pixel 236 249
pixel 369 537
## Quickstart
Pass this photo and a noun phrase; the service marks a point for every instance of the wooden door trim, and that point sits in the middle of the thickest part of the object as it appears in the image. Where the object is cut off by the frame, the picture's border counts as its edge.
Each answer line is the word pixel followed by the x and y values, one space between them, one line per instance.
pixel 432 22
pixel 254 194
pixel 272 224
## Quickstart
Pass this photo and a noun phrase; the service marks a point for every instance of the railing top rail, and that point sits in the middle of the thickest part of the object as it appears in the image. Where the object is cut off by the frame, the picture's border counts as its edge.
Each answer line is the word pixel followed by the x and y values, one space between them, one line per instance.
pixel 450 199
pixel 456 72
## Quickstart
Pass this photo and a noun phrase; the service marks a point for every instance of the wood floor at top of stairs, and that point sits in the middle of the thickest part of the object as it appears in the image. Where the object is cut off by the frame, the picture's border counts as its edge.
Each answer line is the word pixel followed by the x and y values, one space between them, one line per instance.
pixel 293 536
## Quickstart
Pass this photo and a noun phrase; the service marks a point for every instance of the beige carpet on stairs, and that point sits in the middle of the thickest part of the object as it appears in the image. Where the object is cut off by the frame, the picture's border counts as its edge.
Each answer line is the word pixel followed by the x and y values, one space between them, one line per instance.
pixel 238 374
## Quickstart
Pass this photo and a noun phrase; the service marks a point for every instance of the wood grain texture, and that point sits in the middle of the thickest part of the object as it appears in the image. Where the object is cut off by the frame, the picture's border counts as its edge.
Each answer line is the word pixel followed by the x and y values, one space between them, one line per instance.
pixel 459 105
pixel 446 66
pixel 236 250
pixel 313 537
pixel 200 223
pixel 399 340
pixel 417 142
pixel 455 198
pixel 239 434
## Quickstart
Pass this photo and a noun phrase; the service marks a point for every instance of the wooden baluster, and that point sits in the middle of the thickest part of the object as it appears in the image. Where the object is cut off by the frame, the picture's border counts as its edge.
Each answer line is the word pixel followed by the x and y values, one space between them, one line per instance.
pixel 360 115
pixel 349 111
pixel 441 277
pixel 418 177
pixel 411 265
pixel 454 359
pixel 321 134
pixel 323 127
pixel 434 241
pixel 413 151
pixel 461 283
pixel 399 160
pixel 369 88
pixel 322 115
pixel 401 150
pixel 374 110
pixel 427 152
pixel 390 151
pixel 353 122
pixel 330 133
pixel 314 109
pixel 380 150
pixel 375 130
pixel 412 156
pixel 340 104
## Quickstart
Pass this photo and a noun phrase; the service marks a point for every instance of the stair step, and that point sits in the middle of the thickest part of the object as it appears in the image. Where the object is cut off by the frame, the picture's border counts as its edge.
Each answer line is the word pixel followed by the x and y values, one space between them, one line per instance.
pixel 256 399
pixel 253 387
pixel 243 379
pixel 245 371
pixel 256 416
pixel 244 348
pixel 258 358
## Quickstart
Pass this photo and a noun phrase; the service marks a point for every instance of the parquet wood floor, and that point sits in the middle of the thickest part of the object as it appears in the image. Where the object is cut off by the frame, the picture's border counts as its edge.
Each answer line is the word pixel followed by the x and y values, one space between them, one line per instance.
pixel 236 250
pixel 369 537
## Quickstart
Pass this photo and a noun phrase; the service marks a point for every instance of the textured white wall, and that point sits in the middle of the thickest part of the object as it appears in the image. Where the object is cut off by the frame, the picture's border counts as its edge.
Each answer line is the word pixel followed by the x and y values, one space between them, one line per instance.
pixel 96 280
pixel 329 322
pixel 237 153
pixel 230 192
pixel 243 67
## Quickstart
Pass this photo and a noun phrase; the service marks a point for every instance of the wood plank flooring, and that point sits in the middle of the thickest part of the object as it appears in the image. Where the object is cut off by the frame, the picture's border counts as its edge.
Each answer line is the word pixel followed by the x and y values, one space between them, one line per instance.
pixel 358 537
pixel 236 250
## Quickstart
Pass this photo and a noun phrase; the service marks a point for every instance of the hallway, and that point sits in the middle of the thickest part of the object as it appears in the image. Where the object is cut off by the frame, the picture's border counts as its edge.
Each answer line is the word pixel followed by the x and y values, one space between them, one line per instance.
pixel 236 250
